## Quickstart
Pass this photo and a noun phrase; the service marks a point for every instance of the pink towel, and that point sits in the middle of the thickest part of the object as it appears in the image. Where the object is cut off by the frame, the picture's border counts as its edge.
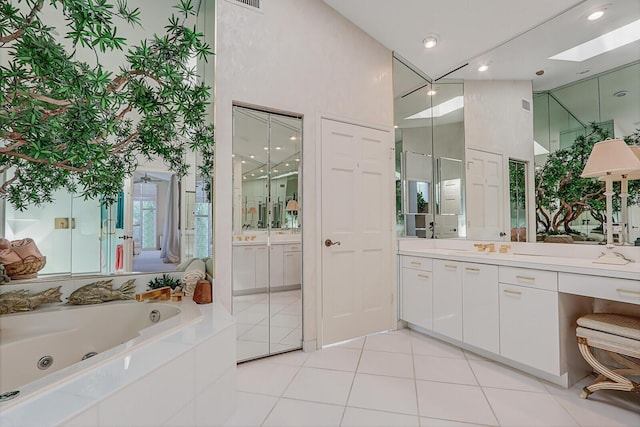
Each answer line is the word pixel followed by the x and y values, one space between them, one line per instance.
pixel 119 256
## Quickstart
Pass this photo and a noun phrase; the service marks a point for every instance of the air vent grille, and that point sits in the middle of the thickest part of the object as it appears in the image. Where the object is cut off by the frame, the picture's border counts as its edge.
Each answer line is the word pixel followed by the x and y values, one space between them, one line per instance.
pixel 250 3
pixel 526 104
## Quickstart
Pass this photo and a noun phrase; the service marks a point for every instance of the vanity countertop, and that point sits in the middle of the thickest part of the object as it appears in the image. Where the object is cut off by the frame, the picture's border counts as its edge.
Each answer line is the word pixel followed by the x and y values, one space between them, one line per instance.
pixel 522 259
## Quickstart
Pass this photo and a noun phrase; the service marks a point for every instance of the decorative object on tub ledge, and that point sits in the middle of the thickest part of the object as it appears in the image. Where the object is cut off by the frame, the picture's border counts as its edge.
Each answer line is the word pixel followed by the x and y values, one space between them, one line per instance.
pixel 21 258
pixel 190 279
pixel 611 160
pixel 202 293
pixel 22 300
pixel 165 280
pixel 4 278
pixel 102 291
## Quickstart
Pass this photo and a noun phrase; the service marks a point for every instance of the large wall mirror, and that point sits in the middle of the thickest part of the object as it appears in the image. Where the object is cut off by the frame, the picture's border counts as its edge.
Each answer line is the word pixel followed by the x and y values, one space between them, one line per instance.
pixel 267 231
pixel 158 220
pixel 611 100
pixel 430 150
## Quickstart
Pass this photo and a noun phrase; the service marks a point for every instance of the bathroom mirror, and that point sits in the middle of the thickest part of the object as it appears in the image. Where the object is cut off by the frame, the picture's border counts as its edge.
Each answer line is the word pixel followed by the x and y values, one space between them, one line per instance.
pixel 82 237
pixel 429 123
pixel 612 100
pixel 267 231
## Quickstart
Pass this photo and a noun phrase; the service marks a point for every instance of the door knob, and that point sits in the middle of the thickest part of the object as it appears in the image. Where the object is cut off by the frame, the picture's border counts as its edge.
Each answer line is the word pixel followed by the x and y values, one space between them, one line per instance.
pixel 329 243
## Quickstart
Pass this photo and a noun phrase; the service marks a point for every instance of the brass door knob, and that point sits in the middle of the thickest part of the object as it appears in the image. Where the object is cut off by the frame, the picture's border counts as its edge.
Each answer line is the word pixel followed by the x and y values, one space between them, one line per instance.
pixel 329 243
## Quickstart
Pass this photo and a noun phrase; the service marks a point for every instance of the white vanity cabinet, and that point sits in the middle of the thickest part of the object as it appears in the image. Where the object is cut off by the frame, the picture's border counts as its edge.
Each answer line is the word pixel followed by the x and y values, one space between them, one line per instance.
pixel 258 266
pixel 244 267
pixel 417 291
pixel 276 272
pixel 447 298
pixel 529 319
pixel 480 306
pixel 292 264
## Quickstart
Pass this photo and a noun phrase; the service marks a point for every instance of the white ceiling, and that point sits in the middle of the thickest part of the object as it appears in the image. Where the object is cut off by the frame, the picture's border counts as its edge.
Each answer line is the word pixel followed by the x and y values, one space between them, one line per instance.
pixel 515 37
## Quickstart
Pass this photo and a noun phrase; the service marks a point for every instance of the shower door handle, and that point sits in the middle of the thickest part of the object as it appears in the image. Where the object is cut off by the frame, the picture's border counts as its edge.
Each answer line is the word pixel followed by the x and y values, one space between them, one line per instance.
pixel 328 243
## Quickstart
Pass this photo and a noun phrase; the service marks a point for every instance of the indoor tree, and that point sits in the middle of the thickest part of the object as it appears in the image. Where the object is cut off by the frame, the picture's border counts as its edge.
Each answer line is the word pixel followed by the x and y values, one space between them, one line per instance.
pixel 562 195
pixel 75 125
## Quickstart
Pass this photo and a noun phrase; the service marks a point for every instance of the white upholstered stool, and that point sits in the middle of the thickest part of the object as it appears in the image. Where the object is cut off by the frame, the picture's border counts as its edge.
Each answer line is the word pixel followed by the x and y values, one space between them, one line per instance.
pixel 619 337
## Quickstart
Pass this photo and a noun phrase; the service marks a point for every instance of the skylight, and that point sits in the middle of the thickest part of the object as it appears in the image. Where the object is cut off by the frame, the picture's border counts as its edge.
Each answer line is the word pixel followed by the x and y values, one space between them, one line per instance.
pixel 612 40
pixel 440 110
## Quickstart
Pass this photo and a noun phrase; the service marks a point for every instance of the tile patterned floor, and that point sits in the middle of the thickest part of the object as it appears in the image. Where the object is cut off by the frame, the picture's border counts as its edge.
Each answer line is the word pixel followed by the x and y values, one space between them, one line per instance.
pixel 254 313
pixel 403 378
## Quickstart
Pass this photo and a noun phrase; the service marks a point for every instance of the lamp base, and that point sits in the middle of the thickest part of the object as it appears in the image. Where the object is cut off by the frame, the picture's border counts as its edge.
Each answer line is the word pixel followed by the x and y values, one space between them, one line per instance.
pixel 610 257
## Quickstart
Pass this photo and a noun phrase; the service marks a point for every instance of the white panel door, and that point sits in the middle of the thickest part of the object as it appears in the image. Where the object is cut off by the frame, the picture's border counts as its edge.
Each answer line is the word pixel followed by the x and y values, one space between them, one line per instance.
pixel 357 212
pixel 485 195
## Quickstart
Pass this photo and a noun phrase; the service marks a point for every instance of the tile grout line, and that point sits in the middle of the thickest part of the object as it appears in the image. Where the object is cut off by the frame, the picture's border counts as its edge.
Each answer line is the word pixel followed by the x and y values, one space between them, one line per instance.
pixel 482 389
pixel 415 377
pixel 353 380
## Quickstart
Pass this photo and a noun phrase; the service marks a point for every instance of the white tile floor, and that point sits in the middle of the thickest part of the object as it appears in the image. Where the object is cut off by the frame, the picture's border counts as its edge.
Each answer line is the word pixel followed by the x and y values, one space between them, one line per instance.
pixel 255 312
pixel 403 378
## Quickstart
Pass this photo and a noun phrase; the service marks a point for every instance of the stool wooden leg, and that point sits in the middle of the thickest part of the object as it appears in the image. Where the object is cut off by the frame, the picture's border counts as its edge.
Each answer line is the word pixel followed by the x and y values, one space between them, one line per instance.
pixel 618 382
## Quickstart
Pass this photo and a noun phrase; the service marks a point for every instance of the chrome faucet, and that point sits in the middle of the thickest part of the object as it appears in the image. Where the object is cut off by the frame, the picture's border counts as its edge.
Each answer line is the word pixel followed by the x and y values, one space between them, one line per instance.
pixel 163 294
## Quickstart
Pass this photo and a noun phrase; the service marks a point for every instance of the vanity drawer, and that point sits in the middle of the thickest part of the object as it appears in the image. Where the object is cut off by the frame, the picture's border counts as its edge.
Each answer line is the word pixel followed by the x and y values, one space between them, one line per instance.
pixel 623 290
pixel 417 263
pixel 540 279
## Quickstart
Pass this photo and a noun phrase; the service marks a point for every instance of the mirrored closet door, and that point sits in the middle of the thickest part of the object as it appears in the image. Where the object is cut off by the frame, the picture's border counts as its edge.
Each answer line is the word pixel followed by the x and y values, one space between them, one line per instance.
pixel 267 238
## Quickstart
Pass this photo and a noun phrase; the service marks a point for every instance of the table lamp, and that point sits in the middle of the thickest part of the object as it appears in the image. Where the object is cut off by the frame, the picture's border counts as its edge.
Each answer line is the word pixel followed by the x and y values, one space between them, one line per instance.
pixel 292 206
pixel 611 160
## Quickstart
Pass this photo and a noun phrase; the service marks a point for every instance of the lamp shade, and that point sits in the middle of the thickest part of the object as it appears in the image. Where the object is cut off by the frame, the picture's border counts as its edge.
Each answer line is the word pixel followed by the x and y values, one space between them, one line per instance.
pixel 292 205
pixel 611 157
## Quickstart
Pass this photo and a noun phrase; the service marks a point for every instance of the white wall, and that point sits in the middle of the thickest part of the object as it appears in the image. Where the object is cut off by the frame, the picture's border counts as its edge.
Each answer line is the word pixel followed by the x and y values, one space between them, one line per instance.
pixel 494 121
pixel 298 56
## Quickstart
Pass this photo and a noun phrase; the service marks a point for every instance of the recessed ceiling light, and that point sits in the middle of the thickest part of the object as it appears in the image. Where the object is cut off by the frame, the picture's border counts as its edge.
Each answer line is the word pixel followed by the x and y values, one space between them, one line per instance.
pixel 278 148
pixel 430 42
pixel 612 40
pixel 266 148
pixel 286 164
pixel 595 15
pixel 275 171
pixel 483 68
pixel 261 170
pixel 395 126
pixel 252 156
pixel 297 160
pixel 243 162
pixel 439 110
pixel 431 92
pixel 620 93
pixel 233 155
pixel 253 174
pixel 244 177
pixel 293 138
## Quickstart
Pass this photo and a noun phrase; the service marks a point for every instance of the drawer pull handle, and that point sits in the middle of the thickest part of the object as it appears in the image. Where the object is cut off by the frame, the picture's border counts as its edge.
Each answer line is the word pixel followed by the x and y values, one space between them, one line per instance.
pixel 416 263
pixel 289 254
pixel 525 278
pixel 627 291
pixel 471 269
pixel 507 291
pixel 423 276
pixel 450 266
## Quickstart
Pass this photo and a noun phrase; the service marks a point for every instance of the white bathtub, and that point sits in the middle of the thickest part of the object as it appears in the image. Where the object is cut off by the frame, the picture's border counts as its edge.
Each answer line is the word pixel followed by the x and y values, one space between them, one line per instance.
pixel 67 333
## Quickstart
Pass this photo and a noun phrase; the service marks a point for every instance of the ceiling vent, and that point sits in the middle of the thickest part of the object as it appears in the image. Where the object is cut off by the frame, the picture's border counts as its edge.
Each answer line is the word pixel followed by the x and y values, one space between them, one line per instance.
pixel 526 104
pixel 250 3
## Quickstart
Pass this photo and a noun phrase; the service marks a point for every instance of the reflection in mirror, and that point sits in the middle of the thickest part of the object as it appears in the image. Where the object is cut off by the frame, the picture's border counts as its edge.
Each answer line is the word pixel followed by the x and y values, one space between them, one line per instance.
pixel 449 198
pixel 267 243
pixel 612 101
pixel 518 200
pixel 429 129
pixel 85 237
